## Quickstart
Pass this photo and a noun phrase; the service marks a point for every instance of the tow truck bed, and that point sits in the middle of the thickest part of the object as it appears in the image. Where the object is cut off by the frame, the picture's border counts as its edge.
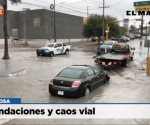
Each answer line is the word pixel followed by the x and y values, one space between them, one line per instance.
pixel 113 56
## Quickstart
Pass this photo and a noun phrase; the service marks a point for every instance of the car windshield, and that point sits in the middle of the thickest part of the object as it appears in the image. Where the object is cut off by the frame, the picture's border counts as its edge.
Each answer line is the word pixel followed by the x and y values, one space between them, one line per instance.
pixel 50 45
pixel 108 43
pixel 71 73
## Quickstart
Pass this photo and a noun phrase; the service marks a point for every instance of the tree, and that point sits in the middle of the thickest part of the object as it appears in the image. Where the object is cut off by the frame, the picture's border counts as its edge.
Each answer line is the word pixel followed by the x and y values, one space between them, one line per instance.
pixel 93 27
pixel 132 29
pixel 3 3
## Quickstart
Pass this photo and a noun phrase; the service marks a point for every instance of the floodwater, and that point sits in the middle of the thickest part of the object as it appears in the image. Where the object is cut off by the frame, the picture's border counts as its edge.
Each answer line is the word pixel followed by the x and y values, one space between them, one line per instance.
pixel 27 76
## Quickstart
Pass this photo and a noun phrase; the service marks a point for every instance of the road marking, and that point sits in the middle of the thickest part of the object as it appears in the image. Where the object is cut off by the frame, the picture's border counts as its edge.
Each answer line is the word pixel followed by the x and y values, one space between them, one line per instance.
pixel 21 71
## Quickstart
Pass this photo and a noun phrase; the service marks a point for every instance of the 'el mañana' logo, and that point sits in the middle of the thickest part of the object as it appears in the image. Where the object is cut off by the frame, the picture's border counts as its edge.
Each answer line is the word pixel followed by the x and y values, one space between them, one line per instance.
pixel 137 13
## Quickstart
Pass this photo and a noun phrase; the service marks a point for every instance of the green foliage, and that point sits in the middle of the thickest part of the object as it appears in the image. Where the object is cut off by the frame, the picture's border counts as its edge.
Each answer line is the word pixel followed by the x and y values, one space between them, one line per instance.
pixel 2 2
pixel 132 29
pixel 15 1
pixel 94 26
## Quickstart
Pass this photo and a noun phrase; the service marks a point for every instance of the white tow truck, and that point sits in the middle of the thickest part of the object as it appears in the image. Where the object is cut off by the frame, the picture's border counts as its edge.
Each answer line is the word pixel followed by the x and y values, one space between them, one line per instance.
pixel 121 53
pixel 52 49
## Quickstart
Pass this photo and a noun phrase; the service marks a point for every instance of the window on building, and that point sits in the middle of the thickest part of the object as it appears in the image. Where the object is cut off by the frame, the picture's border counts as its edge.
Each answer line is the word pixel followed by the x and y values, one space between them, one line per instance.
pixel 36 22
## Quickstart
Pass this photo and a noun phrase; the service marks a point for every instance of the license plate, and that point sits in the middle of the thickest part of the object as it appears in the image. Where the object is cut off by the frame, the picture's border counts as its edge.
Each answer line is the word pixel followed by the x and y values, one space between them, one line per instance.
pixel 60 92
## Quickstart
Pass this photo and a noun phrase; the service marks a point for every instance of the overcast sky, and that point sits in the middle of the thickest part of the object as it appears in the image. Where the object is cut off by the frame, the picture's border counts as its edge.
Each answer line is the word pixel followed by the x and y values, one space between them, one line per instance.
pixel 117 8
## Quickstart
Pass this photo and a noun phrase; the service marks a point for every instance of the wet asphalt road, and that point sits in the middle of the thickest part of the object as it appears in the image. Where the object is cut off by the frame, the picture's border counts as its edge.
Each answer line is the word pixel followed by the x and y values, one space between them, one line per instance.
pixel 27 76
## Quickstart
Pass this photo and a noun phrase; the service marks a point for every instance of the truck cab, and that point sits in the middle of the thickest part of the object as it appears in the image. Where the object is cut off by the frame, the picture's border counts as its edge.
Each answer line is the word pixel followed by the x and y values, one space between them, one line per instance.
pixel 122 48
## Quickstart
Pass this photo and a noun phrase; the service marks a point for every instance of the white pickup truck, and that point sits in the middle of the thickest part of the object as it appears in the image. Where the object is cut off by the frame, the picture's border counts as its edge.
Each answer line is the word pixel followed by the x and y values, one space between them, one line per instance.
pixel 52 49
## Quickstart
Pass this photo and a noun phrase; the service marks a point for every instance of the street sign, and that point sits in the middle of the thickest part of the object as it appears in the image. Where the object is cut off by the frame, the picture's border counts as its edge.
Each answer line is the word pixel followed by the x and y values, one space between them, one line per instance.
pixel 147 43
pixel 142 3
pixel 142 6
pixel 1 12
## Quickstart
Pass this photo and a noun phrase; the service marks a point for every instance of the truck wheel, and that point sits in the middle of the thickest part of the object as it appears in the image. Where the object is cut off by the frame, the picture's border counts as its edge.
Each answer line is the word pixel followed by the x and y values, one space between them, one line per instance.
pixel 67 52
pixel 38 54
pixel 124 63
pixel 53 94
pixel 51 54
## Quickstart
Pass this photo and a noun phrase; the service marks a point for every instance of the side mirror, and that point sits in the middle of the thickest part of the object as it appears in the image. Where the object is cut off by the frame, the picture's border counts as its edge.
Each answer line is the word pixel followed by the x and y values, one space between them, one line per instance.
pixel 101 72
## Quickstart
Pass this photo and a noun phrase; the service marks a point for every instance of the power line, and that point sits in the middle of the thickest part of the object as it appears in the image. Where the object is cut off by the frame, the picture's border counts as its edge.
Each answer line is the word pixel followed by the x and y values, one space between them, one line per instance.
pixel 73 9
pixel 75 2
pixel 81 8
pixel 45 7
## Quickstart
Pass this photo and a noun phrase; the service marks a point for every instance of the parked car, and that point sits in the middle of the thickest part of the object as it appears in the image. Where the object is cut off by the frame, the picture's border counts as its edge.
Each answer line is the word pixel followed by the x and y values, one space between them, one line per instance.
pixel 52 49
pixel 106 47
pixel 131 36
pixel 125 39
pixel 115 39
pixel 137 36
pixel 77 80
pixel 94 39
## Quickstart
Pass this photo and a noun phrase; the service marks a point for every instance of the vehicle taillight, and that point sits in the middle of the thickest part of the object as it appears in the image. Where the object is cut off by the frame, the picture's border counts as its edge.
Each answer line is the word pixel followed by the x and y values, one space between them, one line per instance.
pixel 109 63
pixel 76 84
pixel 51 82
pixel 103 63
pixel 114 62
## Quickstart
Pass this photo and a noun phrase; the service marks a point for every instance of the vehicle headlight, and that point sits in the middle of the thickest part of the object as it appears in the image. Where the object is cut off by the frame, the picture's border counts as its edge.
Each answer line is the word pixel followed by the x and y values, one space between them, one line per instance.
pixel 51 82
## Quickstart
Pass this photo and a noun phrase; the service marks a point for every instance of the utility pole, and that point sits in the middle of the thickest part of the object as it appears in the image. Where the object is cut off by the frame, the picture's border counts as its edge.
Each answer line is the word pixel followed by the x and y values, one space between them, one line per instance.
pixel 107 31
pixel 87 11
pixel 87 19
pixel 52 7
pixel 141 26
pixel 54 24
pixel 25 26
pixel 104 19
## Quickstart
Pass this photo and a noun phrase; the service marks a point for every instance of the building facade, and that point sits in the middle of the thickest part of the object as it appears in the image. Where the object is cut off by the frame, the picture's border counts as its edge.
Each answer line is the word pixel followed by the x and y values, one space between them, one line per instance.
pixel 39 24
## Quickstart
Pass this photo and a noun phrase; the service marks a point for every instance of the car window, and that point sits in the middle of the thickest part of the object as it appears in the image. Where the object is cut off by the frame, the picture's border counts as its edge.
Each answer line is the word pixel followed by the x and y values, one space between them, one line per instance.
pixel 86 75
pixel 56 45
pixel 108 43
pixel 59 45
pixel 71 73
pixel 90 72
pixel 96 70
pixel 50 45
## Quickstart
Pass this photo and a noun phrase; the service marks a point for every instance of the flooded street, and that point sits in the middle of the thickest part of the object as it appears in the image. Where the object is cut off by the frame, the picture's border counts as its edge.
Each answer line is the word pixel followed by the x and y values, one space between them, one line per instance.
pixel 27 76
